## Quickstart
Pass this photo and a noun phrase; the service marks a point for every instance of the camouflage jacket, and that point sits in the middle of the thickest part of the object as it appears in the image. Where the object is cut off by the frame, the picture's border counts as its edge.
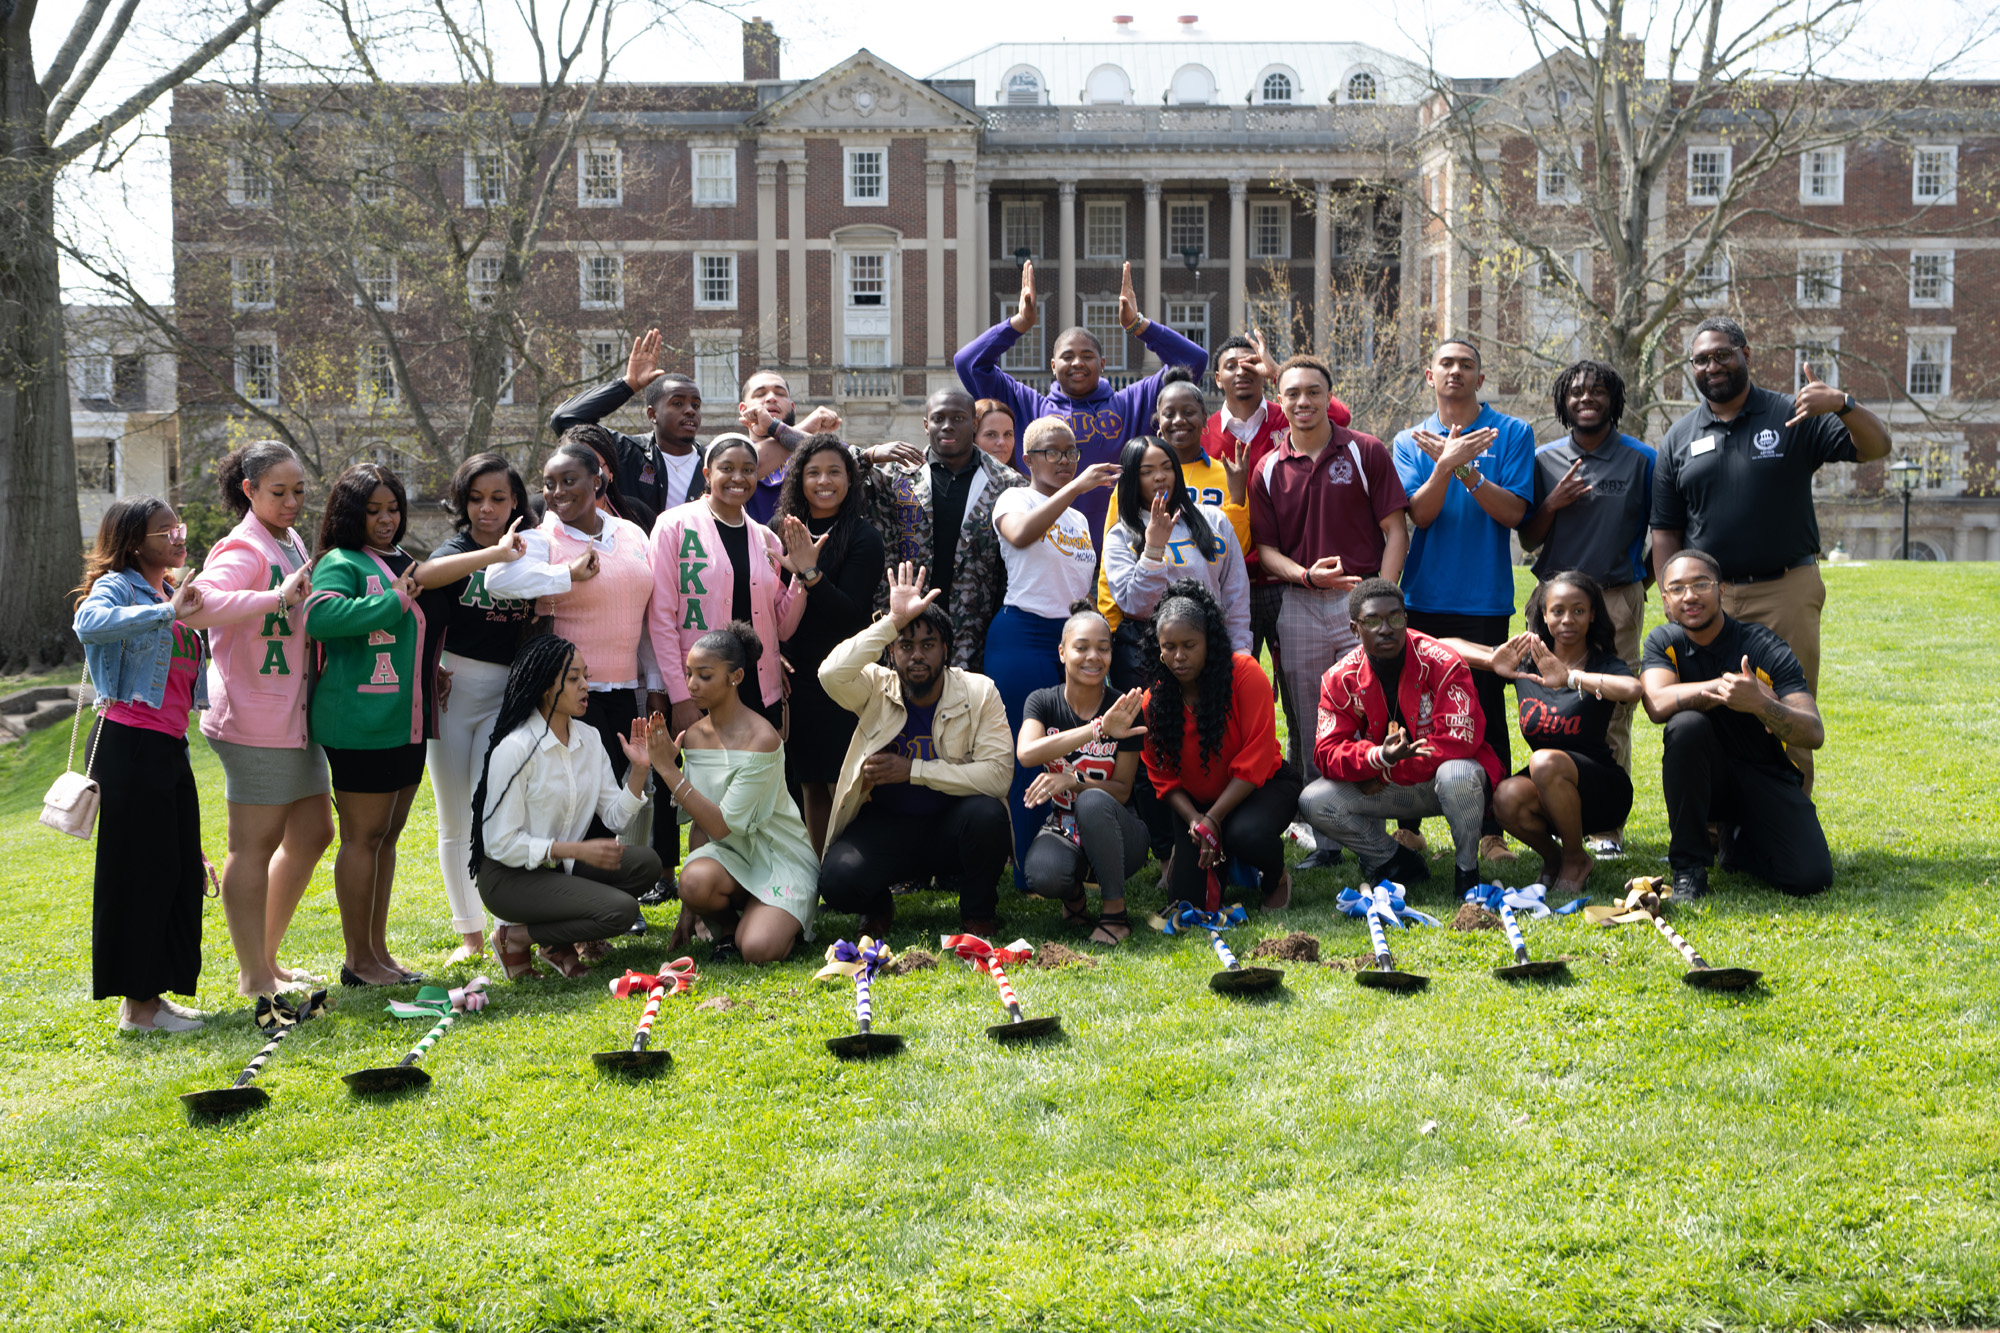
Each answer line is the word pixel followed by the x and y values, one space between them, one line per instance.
pixel 899 505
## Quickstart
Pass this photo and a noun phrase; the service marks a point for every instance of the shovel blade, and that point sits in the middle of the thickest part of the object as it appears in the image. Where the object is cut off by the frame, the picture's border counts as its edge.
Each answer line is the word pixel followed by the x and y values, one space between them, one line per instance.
pixel 1538 970
pixel 1246 980
pixel 638 1064
pixel 392 1078
pixel 865 1045
pixel 1723 978
pixel 224 1101
pixel 1377 979
pixel 1028 1029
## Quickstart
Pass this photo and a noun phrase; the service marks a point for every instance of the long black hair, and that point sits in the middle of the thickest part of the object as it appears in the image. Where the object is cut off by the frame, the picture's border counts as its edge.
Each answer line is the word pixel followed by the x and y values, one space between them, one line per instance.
pixel 1188 601
pixel 344 525
pixel 1599 639
pixel 471 470
pixel 792 494
pixel 603 446
pixel 1133 511
pixel 541 663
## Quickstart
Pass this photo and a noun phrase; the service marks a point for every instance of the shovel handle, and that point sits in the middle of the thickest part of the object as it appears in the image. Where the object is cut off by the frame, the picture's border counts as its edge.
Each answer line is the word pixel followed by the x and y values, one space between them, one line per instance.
pixel 429 1040
pixel 1381 942
pixel 1222 950
pixel 1513 929
pixel 1014 1012
pixel 645 1028
pixel 864 1012
pixel 1695 960
pixel 1007 996
pixel 251 1070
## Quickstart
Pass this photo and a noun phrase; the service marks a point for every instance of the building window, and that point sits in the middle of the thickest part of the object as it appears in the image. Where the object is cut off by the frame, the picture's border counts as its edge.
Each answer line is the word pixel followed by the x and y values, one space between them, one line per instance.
pixel 867 350
pixel 482 279
pixel 1708 280
pixel 97 465
pixel 128 381
pixel 1929 373
pixel 257 370
pixel 1025 357
pixel 485 178
pixel 1708 174
pixel 249 182
pixel 1934 179
pixel 1277 89
pixel 602 279
pixel 715 282
pixel 1190 320
pixel 1555 322
pixel 1819 278
pixel 253 282
pixel 715 176
pixel 867 176
pixel 375 375
pixel 1021 87
pixel 1021 228
pixel 600 176
pixel 1107 84
pixel 1556 176
pixel 1101 319
pixel 1187 227
pixel 715 355
pixel 1270 231
pixel 868 282
pixel 374 175
pixel 90 372
pixel 1362 87
pixel 375 279
pixel 603 355
pixel 1823 176
pixel 1820 352
pixel 1930 278
pixel 505 397
pixel 1104 230
pixel 1193 85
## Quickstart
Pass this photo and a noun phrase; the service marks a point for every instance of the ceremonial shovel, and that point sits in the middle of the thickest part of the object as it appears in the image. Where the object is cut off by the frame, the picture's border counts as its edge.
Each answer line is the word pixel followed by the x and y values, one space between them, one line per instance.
pixel 431 1000
pixel 636 1059
pixel 1522 969
pixel 1703 976
pixel 1234 978
pixel 989 959
pixel 860 961
pixel 242 1095
pixel 1386 977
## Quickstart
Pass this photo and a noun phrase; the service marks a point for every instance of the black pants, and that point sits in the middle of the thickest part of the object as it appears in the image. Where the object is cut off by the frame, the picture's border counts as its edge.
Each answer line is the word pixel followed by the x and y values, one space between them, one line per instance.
pixel 1254 832
pixel 970 840
pixel 611 713
pixel 1488 632
pixel 145 935
pixel 1778 840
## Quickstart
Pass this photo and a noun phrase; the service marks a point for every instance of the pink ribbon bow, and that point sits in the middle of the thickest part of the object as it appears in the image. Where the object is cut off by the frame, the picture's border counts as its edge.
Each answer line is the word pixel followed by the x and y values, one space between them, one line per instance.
pixel 676 976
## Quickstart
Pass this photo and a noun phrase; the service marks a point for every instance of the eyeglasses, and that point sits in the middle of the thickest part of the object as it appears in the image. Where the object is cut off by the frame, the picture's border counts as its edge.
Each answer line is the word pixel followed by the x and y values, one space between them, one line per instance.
pixel 1059 455
pixel 1376 624
pixel 177 533
pixel 1700 587
pixel 1707 359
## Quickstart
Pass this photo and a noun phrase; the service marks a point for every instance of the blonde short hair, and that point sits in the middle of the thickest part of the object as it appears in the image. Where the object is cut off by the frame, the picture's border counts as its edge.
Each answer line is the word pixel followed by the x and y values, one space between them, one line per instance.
pixel 1044 429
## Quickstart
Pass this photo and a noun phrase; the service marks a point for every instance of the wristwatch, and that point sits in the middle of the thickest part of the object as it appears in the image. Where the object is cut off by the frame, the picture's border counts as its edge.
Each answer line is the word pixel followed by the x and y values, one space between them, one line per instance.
pixel 1845 407
pixel 810 577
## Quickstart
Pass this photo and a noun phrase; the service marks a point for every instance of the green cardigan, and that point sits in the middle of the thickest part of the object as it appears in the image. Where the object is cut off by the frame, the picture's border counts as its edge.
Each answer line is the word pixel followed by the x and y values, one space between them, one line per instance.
pixel 368 695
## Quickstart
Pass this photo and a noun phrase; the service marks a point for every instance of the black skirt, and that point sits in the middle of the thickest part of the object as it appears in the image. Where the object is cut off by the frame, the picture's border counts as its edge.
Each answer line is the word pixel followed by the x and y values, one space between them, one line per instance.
pixel 146 921
pixel 1604 791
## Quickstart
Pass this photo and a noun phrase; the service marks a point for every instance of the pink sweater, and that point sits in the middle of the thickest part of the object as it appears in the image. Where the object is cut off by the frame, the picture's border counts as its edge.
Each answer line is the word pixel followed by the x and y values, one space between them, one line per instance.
pixel 694 586
pixel 605 615
pixel 257 676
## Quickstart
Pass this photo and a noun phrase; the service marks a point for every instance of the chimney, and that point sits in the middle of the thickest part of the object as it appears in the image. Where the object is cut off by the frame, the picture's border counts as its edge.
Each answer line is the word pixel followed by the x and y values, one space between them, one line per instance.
pixel 760 50
pixel 1122 22
pixel 1187 22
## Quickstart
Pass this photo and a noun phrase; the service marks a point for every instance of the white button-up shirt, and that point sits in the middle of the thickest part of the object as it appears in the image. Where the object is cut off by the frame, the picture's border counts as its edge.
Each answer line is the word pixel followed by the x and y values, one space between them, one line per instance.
pixel 540 792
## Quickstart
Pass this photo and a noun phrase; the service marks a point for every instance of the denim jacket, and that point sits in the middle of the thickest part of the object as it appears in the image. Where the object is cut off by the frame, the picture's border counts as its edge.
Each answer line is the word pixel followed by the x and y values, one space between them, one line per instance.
pixel 127 631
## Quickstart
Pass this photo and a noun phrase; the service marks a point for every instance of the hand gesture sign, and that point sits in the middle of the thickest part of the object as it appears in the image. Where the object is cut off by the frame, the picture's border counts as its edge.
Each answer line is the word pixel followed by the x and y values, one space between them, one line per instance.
pixel 642 367
pixel 896 451
pixel 1397 745
pixel 801 548
pixel 1024 318
pixel 187 599
pixel 1740 691
pixel 906 593
pixel 1267 365
pixel 1128 305
pixel 1096 475
pixel 1515 659
pixel 1047 786
pixel 406 584
pixel 296 588
pixel 1814 397
pixel 1159 523
pixel 1118 718
pixel 821 420
pixel 756 420
pixel 1569 490
pixel 637 747
pixel 512 545
pixel 584 567
pixel 663 747
pixel 1236 473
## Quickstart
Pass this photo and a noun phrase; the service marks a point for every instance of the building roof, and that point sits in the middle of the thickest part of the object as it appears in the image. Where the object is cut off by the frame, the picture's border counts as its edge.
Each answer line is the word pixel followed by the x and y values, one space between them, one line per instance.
pixel 1320 70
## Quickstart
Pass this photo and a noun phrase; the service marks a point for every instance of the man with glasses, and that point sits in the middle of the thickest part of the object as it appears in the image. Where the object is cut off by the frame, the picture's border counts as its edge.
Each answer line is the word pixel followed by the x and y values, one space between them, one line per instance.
pixel 1401 735
pixel 1734 705
pixel 1735 479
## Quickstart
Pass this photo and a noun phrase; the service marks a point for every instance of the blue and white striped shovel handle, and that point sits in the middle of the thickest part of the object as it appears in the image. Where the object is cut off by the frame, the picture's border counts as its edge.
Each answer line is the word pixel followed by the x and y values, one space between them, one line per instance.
pixel 1381 940
pixel 1221 949
pixel 1513 929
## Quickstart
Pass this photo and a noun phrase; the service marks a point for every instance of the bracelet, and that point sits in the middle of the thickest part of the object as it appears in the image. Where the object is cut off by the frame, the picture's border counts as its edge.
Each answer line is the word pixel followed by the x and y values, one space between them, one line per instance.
pixel 1133 327
pixel 1097 728
pixel 1306 577
pixel 1157 554
pixel 677 790
pixel 1575 680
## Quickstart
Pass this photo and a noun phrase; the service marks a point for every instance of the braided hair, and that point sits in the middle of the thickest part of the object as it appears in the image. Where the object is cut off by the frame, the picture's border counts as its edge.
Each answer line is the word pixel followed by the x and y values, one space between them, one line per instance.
pixel 541 663
pixel 1134 512
pixel 1188 602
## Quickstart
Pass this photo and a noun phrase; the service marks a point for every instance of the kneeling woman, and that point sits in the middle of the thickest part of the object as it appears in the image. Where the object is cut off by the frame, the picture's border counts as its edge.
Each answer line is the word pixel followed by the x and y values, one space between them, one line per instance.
pixel 755 882
pixel 1089 740
pixel 1212 750
pixel 546 774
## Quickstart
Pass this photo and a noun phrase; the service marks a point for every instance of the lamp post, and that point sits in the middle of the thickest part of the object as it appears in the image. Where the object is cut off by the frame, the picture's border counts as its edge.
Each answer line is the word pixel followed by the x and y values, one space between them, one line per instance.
pixel 1022 254
pixel 1907 473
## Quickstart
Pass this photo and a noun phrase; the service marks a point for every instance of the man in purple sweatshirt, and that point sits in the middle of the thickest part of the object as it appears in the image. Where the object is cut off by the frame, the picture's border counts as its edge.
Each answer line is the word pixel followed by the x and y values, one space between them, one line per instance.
pixel 1103 419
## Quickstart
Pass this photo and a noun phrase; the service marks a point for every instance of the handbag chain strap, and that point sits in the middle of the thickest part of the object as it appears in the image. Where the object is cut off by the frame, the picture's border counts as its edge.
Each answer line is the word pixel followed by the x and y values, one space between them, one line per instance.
pixel 76 720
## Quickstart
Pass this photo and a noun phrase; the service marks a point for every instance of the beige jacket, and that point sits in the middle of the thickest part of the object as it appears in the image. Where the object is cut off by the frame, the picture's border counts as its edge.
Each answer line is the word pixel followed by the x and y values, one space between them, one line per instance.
pixel 969 728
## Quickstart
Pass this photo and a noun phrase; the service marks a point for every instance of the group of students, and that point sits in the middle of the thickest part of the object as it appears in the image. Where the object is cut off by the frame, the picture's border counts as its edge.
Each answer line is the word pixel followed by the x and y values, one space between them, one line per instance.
pixel 856 672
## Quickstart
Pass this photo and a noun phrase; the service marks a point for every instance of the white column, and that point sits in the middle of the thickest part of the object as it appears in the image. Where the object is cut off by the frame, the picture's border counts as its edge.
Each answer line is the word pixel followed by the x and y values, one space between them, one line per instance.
pixel 971 213
pixel 1155 294
pixel 1322 267
pixel 800 351
pixel 982 265
pixel 1236 317
pixel 767 261
pixel 934 262
pixel 1066 307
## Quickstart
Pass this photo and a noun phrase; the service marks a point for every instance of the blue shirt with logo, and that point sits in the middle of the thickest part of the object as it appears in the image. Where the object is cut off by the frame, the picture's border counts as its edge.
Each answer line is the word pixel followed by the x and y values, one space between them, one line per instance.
pixel 1461 564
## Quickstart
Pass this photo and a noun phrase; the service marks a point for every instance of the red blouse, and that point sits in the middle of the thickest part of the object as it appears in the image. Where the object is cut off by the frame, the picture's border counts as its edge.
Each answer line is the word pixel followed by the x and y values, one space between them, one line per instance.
pixel 1249 741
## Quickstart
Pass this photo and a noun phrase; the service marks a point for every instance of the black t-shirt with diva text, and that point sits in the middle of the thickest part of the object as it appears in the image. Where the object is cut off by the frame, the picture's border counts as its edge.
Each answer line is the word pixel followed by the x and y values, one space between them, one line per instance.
pixel 1095 758
pixel 1744 737
pixel 1566 719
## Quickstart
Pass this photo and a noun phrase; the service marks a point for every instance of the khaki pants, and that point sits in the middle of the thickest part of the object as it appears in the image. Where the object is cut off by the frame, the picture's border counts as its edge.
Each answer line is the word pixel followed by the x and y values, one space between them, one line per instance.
pixel 1627 604
pixel 1790 607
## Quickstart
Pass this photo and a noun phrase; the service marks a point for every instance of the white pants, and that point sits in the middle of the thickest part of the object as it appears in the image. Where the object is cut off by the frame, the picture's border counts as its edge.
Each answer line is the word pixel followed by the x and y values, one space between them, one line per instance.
pixel 464 730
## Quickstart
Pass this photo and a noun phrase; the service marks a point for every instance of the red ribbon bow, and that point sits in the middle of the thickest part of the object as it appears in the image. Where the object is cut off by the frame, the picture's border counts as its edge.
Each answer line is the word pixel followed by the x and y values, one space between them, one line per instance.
pixel 982 955
pixel 676 976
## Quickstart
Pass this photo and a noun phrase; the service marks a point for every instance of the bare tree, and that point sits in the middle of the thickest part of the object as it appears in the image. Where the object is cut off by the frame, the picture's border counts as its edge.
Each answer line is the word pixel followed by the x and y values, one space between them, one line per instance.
pixel 40 557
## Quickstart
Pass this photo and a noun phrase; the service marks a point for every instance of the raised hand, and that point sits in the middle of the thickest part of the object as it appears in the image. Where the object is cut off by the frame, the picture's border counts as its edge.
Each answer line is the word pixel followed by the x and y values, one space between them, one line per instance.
pixel 584 567
pixel 907 597
pixel 1267 365
pixel 1024 318
pixel 1118 717
pixel 511 546
pixel 1096 475
pixel 1462 446
pixel 756 420
pixel 1569 490
pixel 1159 523
pixel 1814 397
pixel 801 547
pixel 642 367
pixel 296 588
pixel 821 420
pixel 909 455
pixel 663 747
pixel 1550 670
pixel 1128 305
pixel 1514 658
pixel 637 746
pixel 1236 474
pixel 406 583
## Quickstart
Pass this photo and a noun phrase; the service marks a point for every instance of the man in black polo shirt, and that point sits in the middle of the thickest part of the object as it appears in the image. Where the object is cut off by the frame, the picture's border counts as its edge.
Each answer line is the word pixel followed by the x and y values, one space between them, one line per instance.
pixel 1735 479
pixel 1733 704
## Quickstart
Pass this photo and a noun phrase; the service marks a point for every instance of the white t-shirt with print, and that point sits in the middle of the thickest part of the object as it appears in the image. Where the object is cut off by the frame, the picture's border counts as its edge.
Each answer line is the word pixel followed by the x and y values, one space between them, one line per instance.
pixel 1043 579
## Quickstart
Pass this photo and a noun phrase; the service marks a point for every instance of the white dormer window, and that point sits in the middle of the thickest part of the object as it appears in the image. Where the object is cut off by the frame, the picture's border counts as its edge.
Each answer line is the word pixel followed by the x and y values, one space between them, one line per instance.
pixel 1277 89
pixel 1193 85
pixel 1361 85
pixel 1022 87
pixel 1107 84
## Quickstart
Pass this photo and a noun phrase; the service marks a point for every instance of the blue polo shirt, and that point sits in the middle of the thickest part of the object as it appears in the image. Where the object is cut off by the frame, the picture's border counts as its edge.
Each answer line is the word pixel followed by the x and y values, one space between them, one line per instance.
pixel 1461 564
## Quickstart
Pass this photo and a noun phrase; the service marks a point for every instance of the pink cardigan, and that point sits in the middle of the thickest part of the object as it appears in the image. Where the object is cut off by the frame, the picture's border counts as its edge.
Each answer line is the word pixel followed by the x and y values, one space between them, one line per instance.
pixel 693 588
pixel 257 675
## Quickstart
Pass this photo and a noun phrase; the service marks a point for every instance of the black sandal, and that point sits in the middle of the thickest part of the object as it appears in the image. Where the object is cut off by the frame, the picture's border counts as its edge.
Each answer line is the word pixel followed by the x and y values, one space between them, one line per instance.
pixel 1113 921
pixel 1076 913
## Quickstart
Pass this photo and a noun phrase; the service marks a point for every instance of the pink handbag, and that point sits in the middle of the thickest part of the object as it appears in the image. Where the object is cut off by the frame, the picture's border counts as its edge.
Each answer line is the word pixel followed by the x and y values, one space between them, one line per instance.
pixel 71 804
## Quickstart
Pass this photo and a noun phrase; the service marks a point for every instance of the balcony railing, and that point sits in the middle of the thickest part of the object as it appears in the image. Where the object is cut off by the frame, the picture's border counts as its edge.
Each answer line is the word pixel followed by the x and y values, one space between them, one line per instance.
pixel 884 382
pixel 1230 120
pixel 889 383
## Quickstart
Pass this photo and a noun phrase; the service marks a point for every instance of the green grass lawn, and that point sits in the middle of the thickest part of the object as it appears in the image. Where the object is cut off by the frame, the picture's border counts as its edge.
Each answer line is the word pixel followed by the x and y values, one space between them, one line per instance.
pixel 1620 1152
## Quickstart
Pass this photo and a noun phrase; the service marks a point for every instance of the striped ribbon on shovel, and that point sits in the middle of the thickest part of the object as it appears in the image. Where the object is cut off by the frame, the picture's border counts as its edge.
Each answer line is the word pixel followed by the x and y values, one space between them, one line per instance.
pixel 671 979
pixel 1382 907
pixel 984 957
pixel 860 962
pixel 276 1015
pixel 1234 978
pixel 431 1002
pixel 1643 901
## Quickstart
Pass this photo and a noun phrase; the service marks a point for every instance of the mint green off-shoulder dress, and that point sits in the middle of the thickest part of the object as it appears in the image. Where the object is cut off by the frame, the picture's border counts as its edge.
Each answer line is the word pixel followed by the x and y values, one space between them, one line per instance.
pixel 767 850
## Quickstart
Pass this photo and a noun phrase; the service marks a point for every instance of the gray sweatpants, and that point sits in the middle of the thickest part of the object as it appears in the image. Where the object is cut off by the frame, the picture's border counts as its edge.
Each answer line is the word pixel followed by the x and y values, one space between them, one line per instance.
pixel 1345 814
pixel 1114 845
pixel 558 907
pixel 1313 634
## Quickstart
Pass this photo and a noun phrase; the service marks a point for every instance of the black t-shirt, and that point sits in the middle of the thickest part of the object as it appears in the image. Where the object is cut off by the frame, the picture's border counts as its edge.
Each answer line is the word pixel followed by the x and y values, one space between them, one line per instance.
pixel 1391 676
pixel 949 493
pixel 1744 738
pixel 1050 707
pixel 1566 719
pixel 1742 489
pixel 469 621
pixel 736 544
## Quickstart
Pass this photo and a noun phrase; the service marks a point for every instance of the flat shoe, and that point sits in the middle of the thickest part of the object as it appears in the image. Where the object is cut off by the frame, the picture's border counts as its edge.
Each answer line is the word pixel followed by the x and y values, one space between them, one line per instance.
pixel 182 1011
pixel 563 958
pixel 1493 847
pixel 164 1020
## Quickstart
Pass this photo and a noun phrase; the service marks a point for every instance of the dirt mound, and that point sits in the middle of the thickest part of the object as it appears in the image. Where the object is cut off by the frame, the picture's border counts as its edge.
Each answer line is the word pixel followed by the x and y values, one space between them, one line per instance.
pixel 1052 955
pixel 1297 947
pixel 722 1004
pixel 1472 916
pixel 911 960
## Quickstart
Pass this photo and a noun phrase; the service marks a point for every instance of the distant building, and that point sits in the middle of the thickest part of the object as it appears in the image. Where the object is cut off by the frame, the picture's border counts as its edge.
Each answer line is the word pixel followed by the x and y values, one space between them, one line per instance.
pixel 121 407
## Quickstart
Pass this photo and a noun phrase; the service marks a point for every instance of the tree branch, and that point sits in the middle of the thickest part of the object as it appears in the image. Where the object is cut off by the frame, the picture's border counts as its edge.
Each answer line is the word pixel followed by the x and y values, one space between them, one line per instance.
pixel 59 110
pixel 73 46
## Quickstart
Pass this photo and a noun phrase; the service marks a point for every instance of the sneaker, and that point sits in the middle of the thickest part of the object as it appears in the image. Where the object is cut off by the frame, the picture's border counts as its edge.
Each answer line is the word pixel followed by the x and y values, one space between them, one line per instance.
pixel 182 1011
pixel 1690 883
pixel 1405 867
pixel 1321 858
pixel 1414 840
pixel 665 891
pixel 164 1020
pixel 1610 846
pixel 1493 847
pixel 1301 833
pixel 1463 879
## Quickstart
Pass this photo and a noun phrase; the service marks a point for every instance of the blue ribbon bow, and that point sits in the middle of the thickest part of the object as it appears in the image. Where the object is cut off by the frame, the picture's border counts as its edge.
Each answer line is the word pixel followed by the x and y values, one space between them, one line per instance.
pixel 1530 898
pixel 1358 903
pixel 1184 916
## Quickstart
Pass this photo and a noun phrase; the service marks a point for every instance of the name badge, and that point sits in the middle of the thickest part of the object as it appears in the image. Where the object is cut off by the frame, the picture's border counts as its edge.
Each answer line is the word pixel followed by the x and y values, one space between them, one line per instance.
pixel 1702 445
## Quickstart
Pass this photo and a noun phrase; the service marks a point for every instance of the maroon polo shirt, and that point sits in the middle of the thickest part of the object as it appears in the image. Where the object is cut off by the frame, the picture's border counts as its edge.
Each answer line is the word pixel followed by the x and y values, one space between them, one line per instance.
pixel 1311 508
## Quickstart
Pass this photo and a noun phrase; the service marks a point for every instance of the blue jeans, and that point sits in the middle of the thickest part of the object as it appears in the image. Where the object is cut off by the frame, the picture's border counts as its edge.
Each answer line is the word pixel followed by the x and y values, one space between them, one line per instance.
pixel 1020 659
